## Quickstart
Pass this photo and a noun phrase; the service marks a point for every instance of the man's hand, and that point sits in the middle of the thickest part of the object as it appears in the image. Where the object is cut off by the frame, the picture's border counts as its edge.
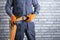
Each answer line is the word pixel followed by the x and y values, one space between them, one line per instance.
pixel 13 18
pixel 30 17
pixel 21 18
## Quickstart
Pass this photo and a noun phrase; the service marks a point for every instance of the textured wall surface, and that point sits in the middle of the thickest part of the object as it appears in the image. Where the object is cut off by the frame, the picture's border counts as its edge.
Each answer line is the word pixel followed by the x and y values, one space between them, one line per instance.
pixel 47 23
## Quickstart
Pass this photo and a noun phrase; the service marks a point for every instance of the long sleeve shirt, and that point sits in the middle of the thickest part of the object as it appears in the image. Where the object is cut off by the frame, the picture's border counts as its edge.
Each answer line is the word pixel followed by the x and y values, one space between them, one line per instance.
pixel 22 7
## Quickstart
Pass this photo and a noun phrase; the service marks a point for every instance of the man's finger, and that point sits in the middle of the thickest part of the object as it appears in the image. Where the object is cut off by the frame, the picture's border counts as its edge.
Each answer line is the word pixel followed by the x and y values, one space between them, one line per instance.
pixel 19 19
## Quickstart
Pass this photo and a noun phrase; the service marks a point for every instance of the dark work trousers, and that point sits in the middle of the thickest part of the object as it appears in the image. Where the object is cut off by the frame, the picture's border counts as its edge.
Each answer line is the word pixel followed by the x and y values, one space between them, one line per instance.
pixel 25 27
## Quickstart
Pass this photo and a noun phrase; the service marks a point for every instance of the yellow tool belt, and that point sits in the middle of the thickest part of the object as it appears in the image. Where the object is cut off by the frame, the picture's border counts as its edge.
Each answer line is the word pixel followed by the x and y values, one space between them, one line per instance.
pixel 13 27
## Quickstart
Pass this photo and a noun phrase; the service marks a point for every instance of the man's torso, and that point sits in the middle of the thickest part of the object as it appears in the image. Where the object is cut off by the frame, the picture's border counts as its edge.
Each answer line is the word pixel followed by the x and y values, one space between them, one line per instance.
pixel 22 7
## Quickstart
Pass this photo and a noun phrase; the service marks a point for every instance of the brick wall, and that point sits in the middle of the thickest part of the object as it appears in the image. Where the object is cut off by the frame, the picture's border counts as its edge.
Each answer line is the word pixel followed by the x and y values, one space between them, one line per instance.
pixel 47 23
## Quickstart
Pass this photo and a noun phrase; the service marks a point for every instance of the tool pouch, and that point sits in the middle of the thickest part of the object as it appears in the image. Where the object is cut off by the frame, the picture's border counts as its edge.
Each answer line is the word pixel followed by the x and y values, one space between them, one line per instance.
pixel 12 30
